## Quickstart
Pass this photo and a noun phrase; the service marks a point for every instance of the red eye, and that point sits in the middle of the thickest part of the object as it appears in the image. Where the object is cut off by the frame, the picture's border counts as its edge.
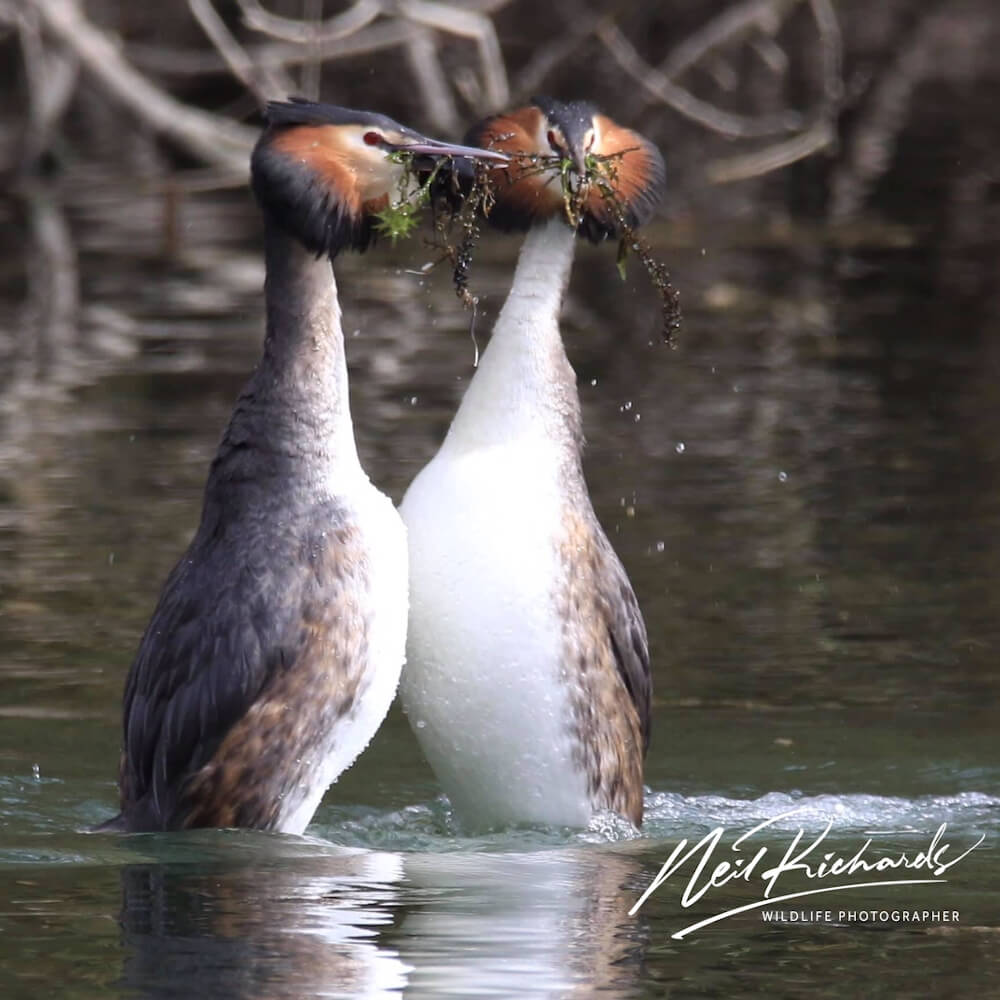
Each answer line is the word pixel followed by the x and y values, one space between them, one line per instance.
pixel 553 141
pixel 372 138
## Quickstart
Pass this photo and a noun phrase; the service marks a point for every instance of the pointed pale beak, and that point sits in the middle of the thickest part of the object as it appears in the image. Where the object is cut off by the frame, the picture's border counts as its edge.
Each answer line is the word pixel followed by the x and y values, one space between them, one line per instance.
pixel 431 147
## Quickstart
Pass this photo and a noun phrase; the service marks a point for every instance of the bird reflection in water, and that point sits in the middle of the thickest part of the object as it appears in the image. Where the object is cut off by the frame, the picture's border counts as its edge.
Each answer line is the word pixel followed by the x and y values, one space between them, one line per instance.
pixel 551 923
pixel 234 922
pixel 237 925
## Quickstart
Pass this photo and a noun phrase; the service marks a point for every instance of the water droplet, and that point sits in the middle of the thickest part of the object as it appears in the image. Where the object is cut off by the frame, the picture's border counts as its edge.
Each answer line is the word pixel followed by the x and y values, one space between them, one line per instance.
pixel 630 511
pixel 111 558
pixel 660 546
pixel 413 400
pixel 593 381
pixel 36 772
pixel 782 477
pixel 679 447
pixel 638 417
pixel 420 724
pixel 626 406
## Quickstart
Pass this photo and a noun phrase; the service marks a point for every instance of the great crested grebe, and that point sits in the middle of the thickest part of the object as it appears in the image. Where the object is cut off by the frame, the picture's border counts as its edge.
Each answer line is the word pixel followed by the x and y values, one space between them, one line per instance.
pixel 276 645
pixel 527 676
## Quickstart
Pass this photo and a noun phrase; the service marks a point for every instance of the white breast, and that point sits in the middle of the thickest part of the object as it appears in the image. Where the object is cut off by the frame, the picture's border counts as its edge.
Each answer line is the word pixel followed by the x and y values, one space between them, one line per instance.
pixel 385 541
pixel 482 683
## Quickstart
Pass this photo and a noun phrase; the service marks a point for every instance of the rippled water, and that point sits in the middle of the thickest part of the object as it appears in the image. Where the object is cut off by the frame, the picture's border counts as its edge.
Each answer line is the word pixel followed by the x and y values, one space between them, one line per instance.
pixel 805 495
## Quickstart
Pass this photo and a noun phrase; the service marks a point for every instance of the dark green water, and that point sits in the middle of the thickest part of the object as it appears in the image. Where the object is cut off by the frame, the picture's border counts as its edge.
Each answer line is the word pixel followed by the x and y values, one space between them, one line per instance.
pixel 805 493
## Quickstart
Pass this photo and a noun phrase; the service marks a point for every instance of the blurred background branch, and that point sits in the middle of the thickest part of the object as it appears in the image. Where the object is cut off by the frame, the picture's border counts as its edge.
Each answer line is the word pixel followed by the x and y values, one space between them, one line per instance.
pixel 451 52
pixel 736 92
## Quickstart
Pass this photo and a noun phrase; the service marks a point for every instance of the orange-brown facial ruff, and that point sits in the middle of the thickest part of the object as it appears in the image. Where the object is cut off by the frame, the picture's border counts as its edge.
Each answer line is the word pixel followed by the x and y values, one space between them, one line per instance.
pixel 316 174
pixel 320 172
pixel 547 133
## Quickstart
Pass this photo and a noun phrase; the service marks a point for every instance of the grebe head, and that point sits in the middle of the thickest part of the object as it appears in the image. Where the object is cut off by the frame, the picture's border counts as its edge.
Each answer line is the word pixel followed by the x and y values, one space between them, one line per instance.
pixel 321 171
pixel 576 134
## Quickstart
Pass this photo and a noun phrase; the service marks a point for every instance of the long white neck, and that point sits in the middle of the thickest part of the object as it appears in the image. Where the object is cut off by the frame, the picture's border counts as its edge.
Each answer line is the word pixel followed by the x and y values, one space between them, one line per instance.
pixel 525 385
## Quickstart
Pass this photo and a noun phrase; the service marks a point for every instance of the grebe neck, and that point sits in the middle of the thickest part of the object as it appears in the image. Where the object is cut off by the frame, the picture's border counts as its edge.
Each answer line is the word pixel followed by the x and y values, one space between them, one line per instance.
pixel 525 385
pixel 298 394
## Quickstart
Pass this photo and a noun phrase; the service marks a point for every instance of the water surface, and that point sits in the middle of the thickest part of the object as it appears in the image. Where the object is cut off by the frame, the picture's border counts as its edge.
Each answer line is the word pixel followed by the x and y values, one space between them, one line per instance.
pixel 804 492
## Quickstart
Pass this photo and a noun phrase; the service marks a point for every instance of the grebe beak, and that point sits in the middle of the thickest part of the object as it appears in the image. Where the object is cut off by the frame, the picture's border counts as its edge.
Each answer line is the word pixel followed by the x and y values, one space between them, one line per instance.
pixel 431 147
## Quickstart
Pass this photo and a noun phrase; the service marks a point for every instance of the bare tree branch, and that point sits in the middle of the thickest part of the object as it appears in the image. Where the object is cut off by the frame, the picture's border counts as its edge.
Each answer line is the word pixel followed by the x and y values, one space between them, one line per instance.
pixel 765 16
pixel 873 142
pixel 831 45
pixel 422 52
pixel 437 99
pixel 262 81
pixel 466 24
pixel 189 62
pixel 771 54
pixel 683 101
pixel 51 76
pixel 54 292
pixel 290 29
pixel 368 26
pixel 819 136
pixel 210 137
pixel 548 57
pixel 312 68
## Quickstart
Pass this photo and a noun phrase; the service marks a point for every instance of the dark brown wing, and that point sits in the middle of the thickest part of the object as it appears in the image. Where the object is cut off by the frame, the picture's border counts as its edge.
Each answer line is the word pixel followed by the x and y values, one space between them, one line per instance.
pixel 254 648
pixel 607 658
pixel 627 633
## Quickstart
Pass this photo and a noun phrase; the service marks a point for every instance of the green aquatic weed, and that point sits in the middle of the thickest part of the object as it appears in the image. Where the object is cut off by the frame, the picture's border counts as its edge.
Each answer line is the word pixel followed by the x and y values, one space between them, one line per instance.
pixel 401 217
pixel 600 174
